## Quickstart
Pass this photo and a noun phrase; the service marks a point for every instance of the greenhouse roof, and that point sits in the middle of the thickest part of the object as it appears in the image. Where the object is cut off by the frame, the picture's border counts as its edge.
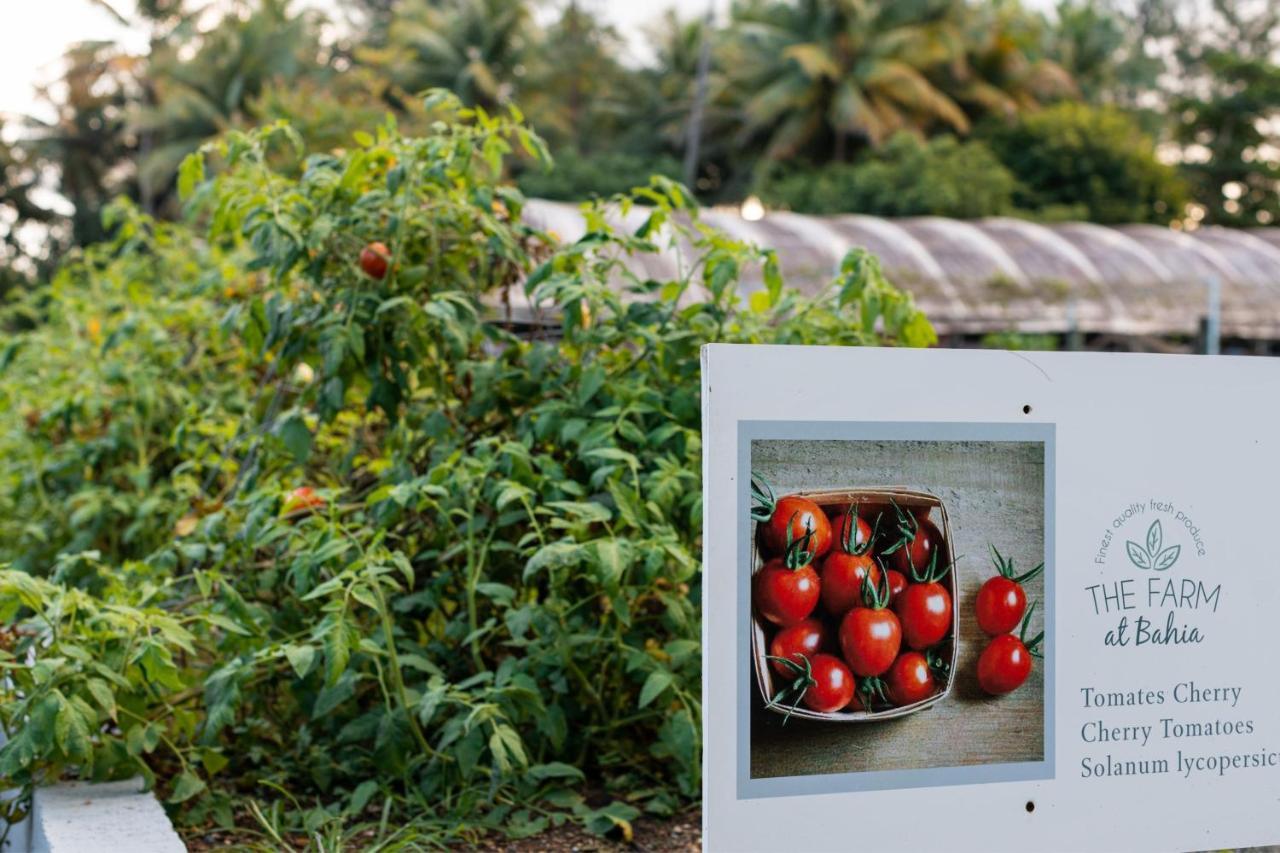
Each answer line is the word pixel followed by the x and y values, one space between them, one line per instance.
pixel 1002 274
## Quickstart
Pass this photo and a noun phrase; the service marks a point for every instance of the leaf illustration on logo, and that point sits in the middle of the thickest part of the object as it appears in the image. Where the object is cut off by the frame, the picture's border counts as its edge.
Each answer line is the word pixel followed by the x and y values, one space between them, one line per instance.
pixel 1166 558
pixel 1155 537
pixel 1140 558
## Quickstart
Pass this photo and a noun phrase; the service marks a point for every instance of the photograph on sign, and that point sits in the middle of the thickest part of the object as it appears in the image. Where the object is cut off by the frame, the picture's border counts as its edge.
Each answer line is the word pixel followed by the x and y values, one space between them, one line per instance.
pixel 862 555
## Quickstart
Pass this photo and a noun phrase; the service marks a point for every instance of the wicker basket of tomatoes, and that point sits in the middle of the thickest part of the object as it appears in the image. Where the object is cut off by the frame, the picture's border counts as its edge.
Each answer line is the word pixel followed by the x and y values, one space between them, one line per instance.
pixel 854 602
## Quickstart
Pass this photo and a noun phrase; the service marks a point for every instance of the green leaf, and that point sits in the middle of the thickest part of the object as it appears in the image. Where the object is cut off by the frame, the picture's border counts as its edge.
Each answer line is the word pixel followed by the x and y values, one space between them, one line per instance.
pixel 361 795
pixel 186 786
pixel 296 437
pixel 103 695
pixel 654 686
pixel 300 658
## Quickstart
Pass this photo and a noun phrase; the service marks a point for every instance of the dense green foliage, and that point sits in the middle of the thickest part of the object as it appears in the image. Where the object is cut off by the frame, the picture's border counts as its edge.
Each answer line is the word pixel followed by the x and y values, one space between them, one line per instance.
pixel 907 177
pixel 1095 163
pixel 492 619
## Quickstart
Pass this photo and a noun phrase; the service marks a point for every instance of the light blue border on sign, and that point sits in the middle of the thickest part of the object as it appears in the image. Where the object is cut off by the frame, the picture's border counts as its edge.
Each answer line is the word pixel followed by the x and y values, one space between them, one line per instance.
pixel 880 780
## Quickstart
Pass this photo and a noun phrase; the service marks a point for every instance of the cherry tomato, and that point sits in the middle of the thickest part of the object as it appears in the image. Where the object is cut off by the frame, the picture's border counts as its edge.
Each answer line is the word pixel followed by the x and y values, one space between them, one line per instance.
pixel 797 642
pixel 301 499
pixel 1001 600
pixel 783 522
pixel 801 515
pixel 910 679
pixel 916 550
pixel 1004 664
pixel 785 595
pixel 861 539
pixel 833 686
pixel 925 612
pixel 1001 603
pixel 842 577
pixel 870 638
pixel 373 259
pixel 897 583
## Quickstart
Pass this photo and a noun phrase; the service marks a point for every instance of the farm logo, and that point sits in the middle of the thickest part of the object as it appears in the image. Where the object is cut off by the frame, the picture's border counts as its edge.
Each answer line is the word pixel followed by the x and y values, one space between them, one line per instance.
pixel 1155 608
pixel 1152 555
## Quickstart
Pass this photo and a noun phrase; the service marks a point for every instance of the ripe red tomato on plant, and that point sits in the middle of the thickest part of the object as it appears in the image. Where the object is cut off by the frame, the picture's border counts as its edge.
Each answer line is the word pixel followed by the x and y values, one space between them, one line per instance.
pixel 786 589
pixel 910 679
pixel 1002 601
pixel 917 539
pixel 301 499
pixel 1005 663
pixel 781 521
pixel 871 636
pixel 374 259
pixel 797 642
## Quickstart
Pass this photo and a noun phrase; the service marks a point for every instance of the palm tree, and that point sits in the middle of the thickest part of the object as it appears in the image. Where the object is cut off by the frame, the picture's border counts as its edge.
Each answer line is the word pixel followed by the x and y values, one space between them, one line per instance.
pixel 814 74
pixel 474 47
pixel 199 96
pixel 1005 70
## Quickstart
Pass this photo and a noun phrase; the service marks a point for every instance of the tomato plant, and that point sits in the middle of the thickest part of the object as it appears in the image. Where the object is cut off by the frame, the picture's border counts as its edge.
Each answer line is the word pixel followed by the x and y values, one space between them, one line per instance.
pixel 1005 663
pixel 498 610
pixel 1002 600
pixel 924 607
pixel 790 518
pixel 871 636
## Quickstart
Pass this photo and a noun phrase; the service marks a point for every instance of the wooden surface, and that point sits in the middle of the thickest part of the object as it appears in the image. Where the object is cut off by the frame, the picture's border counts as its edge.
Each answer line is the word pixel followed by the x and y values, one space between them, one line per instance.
pixel 994 494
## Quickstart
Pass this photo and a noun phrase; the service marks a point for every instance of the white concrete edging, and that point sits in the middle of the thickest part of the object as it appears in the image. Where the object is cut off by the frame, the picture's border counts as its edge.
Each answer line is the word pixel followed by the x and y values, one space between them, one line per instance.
pixel 104 817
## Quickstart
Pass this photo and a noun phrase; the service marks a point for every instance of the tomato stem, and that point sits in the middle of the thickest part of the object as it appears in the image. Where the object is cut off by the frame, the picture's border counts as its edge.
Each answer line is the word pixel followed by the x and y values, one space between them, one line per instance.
pixel 763 498
pixel 799 552
pixel 1033 645
pixel 849 541
pixel 1005 568
pixel 803 681
pixel 877 595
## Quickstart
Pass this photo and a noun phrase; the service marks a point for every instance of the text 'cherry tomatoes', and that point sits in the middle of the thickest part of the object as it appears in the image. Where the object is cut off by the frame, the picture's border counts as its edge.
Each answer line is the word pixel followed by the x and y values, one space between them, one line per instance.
pixel 373 260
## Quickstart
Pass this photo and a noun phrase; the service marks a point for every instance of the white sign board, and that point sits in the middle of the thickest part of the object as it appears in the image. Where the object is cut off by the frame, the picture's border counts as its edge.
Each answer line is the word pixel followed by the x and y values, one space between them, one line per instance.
pixel 1125 505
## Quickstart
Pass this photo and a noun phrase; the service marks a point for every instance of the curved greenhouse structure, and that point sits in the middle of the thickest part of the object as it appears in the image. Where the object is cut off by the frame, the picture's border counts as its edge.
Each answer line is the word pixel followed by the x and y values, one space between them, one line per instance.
pixel 1124 287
